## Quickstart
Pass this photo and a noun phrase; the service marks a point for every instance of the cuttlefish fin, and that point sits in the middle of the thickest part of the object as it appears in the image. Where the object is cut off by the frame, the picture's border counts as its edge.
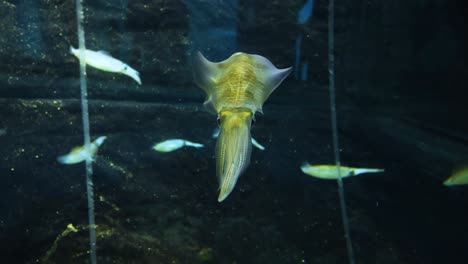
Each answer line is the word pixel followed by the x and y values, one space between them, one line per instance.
pixel 264 80
pixel 233 150
pixel 205 74
pixel 270 76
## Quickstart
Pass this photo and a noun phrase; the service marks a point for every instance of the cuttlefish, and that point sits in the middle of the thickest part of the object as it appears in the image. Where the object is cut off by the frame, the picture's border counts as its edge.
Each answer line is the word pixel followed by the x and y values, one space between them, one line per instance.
pixel 235 89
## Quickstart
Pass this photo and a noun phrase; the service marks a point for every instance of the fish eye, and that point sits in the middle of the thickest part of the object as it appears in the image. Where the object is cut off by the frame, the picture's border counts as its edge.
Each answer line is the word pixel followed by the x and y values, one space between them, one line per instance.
pixel 253 121
pixel 218 120
pixel 125 68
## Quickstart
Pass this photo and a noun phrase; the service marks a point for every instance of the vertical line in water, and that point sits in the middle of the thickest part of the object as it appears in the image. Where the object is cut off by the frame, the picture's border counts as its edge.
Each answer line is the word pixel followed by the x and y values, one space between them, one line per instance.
pixel 86 133
pixel 336 149
pixel 298 57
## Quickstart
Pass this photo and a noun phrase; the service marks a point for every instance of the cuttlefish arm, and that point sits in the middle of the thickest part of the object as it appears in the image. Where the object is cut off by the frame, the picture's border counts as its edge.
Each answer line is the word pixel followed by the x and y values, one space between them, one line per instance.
pixel 235 89
pixel 233 149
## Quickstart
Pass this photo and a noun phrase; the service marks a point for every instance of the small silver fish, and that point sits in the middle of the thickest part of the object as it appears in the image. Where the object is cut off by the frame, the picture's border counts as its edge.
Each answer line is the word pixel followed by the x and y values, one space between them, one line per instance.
pixel 102 60
pixel 329 172
pixel 174 144
pixel 254 142
pixel 79 154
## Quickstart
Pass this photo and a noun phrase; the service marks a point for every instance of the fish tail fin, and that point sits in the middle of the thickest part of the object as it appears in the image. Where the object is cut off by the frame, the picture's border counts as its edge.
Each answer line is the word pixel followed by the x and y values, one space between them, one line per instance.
pixel 304 166
pixel 367 170
pixel 63 159
pixel 193 144
pixel 376 170
pixel 100 140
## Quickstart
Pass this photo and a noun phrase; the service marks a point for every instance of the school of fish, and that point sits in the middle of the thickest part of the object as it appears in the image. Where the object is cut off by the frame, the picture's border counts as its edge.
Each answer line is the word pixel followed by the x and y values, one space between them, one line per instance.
pixel 235 90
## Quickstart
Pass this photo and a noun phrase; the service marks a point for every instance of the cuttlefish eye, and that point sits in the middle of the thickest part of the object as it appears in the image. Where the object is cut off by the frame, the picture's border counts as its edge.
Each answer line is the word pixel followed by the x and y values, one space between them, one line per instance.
pixel 253 121
pixel 218 120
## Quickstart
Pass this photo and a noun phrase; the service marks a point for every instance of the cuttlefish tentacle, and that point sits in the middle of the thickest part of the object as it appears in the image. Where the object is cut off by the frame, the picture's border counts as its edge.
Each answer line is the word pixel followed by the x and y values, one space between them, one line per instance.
pixel 235 89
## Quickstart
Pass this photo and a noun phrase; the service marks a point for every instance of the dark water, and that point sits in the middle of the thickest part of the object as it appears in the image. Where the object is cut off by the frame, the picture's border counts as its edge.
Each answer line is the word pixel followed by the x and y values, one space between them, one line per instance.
pixel 400 79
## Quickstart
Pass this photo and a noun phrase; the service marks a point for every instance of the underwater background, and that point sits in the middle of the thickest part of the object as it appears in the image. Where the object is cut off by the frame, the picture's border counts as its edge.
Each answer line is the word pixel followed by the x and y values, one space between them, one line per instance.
pixel 401 75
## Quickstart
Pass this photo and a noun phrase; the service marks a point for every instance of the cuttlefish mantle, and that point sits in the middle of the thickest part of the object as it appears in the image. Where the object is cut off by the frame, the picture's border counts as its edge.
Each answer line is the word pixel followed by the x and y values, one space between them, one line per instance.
pixel 235 89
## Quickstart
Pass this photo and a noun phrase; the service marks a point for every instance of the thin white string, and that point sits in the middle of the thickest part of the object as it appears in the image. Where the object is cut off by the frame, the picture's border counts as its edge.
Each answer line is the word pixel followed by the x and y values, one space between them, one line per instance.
pixel 86 132
pixel 336 148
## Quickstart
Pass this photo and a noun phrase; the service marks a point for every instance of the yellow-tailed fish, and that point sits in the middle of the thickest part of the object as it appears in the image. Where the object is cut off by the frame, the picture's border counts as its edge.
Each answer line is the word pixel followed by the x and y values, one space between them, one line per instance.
pixel 79 154
pixel 329 172
pixel 102 60
pixel 174 144
pixel 235 89
pixel 459 177
pixel 254 142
